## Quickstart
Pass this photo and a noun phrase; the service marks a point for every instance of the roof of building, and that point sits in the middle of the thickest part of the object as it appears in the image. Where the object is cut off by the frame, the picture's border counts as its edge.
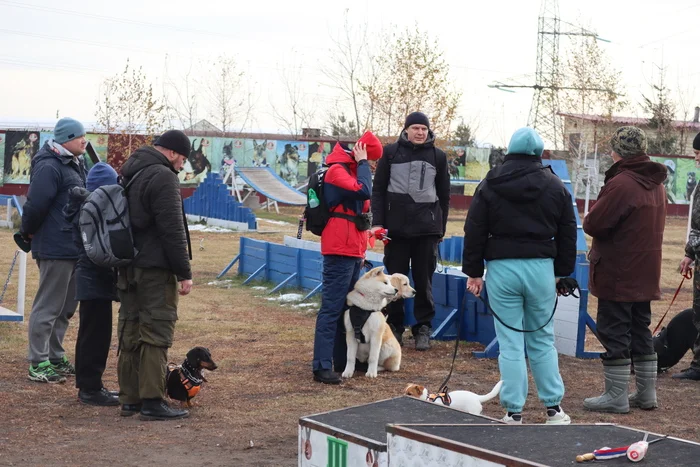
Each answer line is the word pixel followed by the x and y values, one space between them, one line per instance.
pixel 637 121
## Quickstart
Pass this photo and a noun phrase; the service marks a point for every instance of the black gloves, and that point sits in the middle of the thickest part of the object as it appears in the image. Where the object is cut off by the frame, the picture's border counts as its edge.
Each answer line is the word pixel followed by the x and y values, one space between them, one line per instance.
pixel 568 286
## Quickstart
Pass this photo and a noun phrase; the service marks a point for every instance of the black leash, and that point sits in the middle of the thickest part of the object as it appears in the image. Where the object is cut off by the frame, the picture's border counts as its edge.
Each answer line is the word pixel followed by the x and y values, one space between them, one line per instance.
pixel 443 386
pixel 565 287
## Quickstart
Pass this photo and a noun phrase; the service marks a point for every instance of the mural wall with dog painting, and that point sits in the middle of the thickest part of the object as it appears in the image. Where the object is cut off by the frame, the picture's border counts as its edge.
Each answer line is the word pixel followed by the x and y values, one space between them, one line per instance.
pixel 20 147
pixel 681 180
pixel 292 161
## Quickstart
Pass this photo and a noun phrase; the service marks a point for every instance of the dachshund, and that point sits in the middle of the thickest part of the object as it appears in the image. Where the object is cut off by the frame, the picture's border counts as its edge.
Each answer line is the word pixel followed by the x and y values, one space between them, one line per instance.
pixel 183 382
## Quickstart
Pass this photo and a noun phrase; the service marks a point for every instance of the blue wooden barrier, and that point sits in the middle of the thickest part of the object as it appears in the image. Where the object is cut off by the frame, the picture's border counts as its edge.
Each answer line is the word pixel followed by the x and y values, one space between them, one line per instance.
pixel 300 268
pixel 212 199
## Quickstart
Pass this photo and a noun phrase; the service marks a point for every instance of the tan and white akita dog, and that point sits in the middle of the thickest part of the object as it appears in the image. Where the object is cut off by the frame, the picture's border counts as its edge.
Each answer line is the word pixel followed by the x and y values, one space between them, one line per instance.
pixel 380 350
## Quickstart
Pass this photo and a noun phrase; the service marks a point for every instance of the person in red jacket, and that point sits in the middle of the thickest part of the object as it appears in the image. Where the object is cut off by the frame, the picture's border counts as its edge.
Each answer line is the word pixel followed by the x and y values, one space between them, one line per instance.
pixel 347 189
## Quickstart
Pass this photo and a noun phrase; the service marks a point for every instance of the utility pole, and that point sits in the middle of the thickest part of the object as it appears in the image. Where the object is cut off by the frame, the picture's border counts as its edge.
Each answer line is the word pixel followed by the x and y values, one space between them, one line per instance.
pixel 544 110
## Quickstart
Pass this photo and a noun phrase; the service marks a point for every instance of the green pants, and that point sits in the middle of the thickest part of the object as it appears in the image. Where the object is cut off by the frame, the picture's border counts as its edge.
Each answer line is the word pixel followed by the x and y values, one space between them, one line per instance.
pixel 147 318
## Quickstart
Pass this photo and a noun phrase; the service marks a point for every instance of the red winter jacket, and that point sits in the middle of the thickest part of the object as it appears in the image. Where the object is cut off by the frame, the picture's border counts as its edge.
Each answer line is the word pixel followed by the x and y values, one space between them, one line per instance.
pixel 346 191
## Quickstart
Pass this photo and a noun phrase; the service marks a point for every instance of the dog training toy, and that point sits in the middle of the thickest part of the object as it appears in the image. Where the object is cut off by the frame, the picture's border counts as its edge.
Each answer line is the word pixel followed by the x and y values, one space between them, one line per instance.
pixel 634 452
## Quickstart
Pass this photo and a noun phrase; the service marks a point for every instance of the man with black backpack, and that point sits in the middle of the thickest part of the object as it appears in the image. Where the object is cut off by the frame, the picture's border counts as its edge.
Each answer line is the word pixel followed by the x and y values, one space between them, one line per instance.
pixel 411 199
pixel 148 287
pixel 95 289
pixel 345 193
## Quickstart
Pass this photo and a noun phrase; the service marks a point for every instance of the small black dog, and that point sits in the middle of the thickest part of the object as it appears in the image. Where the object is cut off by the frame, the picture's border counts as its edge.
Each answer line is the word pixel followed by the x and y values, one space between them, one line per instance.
pixel 183 382
pixel 674 341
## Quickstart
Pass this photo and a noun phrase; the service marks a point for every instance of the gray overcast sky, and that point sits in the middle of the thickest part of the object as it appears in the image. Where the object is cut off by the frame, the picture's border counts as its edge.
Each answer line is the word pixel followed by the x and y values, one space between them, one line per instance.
pixel 483 40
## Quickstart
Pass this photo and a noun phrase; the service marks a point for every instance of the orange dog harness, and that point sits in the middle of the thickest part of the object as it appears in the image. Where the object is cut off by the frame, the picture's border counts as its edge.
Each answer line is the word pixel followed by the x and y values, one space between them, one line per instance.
pixel 443 396
pixel 191 383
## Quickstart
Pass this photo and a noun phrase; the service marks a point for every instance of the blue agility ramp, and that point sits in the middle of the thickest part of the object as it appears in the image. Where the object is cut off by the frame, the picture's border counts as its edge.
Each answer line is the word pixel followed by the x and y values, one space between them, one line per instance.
pixel 266 182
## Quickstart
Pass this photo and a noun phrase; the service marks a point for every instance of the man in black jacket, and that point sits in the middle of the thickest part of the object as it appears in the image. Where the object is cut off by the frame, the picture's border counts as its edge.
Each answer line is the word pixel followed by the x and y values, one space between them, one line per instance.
pixel 522 222
pixel 56 169
pixel 148 288
pixel 411 199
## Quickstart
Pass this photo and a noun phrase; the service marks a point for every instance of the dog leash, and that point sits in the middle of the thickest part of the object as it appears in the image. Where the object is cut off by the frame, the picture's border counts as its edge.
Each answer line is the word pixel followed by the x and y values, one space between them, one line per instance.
pixel 687 275
pixel 443 386
pixel 565 287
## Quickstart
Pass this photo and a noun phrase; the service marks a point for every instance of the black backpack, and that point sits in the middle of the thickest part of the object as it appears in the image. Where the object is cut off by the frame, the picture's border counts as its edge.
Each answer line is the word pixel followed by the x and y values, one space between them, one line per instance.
pixel 318 217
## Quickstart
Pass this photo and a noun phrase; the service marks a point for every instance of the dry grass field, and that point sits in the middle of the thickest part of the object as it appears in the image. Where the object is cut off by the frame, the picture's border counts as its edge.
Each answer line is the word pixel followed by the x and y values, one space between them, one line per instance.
pixel 247 414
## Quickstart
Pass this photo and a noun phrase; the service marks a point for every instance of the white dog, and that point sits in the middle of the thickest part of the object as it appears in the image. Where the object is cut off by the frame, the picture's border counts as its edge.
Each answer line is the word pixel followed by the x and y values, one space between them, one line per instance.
pixel 461 400
pixel 380 348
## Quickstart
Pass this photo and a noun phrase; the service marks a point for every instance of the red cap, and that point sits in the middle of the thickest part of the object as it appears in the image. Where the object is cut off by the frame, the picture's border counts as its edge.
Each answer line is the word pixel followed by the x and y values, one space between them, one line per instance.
pixel 374 146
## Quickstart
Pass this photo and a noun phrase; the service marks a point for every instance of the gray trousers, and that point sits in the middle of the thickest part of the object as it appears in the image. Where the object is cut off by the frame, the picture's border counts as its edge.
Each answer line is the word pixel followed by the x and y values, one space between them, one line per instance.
pixel 54 304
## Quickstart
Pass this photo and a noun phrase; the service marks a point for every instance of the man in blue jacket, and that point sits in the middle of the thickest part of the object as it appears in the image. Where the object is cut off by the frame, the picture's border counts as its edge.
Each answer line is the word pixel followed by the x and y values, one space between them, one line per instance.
pixel 56 168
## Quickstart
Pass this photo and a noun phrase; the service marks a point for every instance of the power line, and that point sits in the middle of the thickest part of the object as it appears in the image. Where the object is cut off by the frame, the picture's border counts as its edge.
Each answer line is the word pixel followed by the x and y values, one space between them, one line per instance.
pixel 76 41
pixel 58 67
pixel 113 19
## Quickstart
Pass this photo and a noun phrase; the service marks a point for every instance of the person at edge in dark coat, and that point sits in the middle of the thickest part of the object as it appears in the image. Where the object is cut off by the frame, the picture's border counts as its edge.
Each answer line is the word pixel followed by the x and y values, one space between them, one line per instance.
pixel 692 254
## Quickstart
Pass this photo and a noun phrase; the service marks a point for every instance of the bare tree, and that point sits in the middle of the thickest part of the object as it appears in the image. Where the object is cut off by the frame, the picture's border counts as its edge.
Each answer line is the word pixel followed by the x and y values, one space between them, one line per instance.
pixel 181 97
pixel 230 102
pixel 126 105
pixel 349 56
pixel 592 85
pixel 294 114
pixel 412 75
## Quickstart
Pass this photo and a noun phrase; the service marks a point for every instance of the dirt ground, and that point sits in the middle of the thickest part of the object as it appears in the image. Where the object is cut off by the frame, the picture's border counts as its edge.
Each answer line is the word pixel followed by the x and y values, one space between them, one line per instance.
pixel 247 414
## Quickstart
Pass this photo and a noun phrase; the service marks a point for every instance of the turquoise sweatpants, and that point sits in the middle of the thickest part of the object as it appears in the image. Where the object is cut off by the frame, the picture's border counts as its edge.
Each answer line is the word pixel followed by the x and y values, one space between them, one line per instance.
pixel 522 292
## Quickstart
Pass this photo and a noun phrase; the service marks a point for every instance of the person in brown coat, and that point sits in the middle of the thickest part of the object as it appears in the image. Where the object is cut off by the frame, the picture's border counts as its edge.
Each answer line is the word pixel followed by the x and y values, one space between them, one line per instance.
pixel 627 226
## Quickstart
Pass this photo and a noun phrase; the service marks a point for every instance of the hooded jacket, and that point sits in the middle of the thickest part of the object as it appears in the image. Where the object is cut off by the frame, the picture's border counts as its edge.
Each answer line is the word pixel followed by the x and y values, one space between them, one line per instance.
pixel 54 172
pixel 520 210
pixel 347 190
pixel 627 225
pixel 92 282
pixel 157 215
pixel 411 192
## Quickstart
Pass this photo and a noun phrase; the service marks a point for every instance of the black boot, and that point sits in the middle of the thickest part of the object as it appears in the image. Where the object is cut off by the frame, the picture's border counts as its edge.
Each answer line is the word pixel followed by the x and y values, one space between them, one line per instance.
pixel 158 409
pixel 101 397
pixel 130 409
pixel 689 373
pixel 326 377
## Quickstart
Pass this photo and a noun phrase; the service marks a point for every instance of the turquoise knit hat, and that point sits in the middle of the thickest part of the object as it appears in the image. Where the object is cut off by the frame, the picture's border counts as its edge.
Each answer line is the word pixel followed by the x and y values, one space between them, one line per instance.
pixel 526 141
pixel 67 129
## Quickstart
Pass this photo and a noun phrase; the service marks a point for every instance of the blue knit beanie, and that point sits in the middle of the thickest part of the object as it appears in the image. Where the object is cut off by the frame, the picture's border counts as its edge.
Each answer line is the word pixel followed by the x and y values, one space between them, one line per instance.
pixel 101 174
pixel 526 141
pixel 67 129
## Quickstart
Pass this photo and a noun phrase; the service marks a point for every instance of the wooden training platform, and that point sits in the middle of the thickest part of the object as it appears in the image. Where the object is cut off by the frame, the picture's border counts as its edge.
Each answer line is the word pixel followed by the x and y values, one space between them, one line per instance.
pixel 535 445
pixel 405 431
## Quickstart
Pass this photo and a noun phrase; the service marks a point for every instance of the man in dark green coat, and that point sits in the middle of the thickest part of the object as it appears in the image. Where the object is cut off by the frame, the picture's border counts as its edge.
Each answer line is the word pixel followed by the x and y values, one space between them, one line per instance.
pixel 149 287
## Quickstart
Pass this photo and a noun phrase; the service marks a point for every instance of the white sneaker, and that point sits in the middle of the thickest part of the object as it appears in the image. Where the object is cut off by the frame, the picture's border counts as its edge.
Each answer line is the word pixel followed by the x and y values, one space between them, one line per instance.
pixel 557 418
pixel 515 419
